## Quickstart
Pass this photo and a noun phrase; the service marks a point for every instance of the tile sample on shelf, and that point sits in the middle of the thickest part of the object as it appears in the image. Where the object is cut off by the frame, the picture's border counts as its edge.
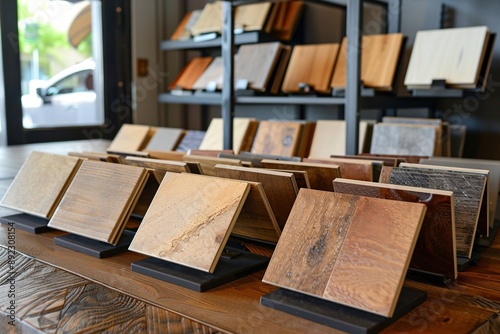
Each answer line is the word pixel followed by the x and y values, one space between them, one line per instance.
pixel 40 183
pixel 412 120
pixel 183 30
pixel 255 63
pixel 191 140
pixel 130 137
pixel 467 195
pixel 350 168
pixel 99 200
pixel 280 138
pixel 207 164
pixel 280 187
pixel 454 55
pixel 336 246
pixel 211 76
pixel 190 73
pixel 320 175
pixel 435 250
pixel 251 17
pixel 165 139
pixel 244 130
pixel 210 19
pixel 379 61
pixel 404 139
pixel 281 66
pixel 312 65
pixel 190 219
pixel 286 19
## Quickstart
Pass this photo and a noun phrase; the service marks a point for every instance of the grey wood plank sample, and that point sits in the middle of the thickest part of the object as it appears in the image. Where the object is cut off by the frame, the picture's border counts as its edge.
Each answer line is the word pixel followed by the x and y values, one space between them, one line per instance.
pixel 165 139
pixel 99 200
pixel 192 140
pixel 467 194
pixel 190 219
pixel 326 231
pixel 435 250
pixel 40 184
pixel 404 139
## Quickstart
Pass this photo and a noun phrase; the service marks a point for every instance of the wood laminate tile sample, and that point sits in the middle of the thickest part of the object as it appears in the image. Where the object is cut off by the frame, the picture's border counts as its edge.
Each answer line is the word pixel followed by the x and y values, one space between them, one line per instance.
pixel 208 164
pixel 212 75
pixel 251 17
pixel 255 63
pixel 454 55
pixel 277 138
pixel 159 167
pixel 130 137
pixel 467 194
pixel 287 19
pixel 301 176
pixel 40 183
pixel 325 231
pixel 282 65
pixel 166 155
pixel 387 161
pixel 281 188
pixel 256 219
pixel 349 168
pixel 190 219
pixel 379 60
pixel 435 250
pixel 97 156
pixel 191 73
pixel 210 19
pixel 412 120
pixel 244 130
pixel 183 30
pixel 385 174
pixel 99 200
pixel 165 139
pixel 404 139
pixel 192 140
pixel 320 175
pixel 311 64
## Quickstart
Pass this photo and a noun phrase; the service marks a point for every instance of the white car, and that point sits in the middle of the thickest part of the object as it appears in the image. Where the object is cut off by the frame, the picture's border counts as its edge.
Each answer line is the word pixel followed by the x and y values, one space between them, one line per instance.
pixel 66 99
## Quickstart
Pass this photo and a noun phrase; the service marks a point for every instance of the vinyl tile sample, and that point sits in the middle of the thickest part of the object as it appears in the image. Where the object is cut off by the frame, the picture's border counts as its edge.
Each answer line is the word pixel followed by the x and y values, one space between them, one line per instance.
pixel 244 130
pixel 192 140
pixel 207 164
pixel 251 17
pixel 332 248
pixel 467 194
pixel 255 63
pixel 130 137
pixel 212 75
pixel 40 183
pixel 281 188
pixel 454 55
pixel 435 250
pixel 190 219
pixel 404 139
pixel 320 175
pixel 379 61
pixel 190 73
pixel 99 200
pixel 349 168
pixel 311 64
pixel 165 139
pixel 280 138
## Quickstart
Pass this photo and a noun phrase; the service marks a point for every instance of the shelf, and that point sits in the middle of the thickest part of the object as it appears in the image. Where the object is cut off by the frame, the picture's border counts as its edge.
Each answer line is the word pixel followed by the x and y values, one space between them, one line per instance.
pixel 244 38
pixel 300 100
pixel 212 99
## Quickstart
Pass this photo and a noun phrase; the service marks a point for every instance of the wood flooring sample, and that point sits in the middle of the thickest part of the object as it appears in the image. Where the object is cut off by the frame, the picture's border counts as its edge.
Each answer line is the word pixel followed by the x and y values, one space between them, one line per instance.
pixel 251 17
pixel 190 219
pixel 210 19
pixel 40 183
pixel 454 55
pixel 165 139
pixel 286 19
pixel 379 61
pixel 311 64
pixel 191 140
pixel 130 137
pixel 435 250
pixel 280 138
pixel 349 168
pixel 467 194
pixel 190 73
pixel 255 63
pixel 207 163
pixel 281 188
pixel 183 30
pixel 244 130
pixel 212 74
pixel 404 139
pixel 319 175
pixel 326 231
pixel 99 201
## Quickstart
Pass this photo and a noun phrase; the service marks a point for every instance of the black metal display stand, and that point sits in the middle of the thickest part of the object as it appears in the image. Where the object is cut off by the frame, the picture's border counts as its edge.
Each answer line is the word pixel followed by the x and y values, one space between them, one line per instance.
pixel 93 247
pixel 487 241
pixel 233 264
pixel 27 222
pixel 339 316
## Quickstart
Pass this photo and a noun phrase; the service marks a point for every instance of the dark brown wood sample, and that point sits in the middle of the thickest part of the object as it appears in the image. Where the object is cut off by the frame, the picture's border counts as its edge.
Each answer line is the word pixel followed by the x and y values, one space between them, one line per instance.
pixel 99 200
pixel 286 19
pixel 280 138
pixel 281 188
pixel 349 168
pixel 320 175
pixel 40 184
pixel 207 164
pixel 190 73
pixel 435 250
pixel 312 65
pixel 326 231
pixel 255 63
pixel 282 64
pixel 467 194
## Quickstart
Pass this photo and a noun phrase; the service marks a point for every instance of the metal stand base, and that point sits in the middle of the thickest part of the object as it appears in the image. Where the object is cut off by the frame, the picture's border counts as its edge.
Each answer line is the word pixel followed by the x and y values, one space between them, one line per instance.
pixel 26 222
pixel 93 247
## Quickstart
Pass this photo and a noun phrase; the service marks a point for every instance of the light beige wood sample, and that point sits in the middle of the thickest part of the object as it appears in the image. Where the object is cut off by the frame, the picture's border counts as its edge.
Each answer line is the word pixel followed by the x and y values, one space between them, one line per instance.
pixel 210 19
pixel 207 164
pixel 213 74
pixel 405 139
pixel 97 156
pixel 326 231
pixel 40 183
pixel 190 219
pixel 251 17
pixel 379 61
pixel 159 167
pixel 311 64
pixel 99 200
pixel 165 139
pixel 256 219
pixel 280 138
pixel 329 137
pixel 190 73
pixel 280 187
pixel 255 63
pixel 244 130
pixel 454 55
pixel 181 32
pixel 166 155
pixel 131 137
pixel 350 168
pixel 320 175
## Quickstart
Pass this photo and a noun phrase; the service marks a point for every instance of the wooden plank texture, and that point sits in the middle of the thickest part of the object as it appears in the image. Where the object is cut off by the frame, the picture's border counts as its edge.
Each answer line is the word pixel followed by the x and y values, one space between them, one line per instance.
pixel 158 164
pixel 287 19
pixel 190 219
pixel 435 250
pixel 130 137
pixel 349 168
pixel 280 138
pixel 207 164
pixel 210 19
pixel 40 184
pixel 192 140
pixel 251 17
pixel 165 139
pixel 244 130
pixel 190 73
pixel 404 139
pixel 99 200
pixel 255 63
pixel 213 73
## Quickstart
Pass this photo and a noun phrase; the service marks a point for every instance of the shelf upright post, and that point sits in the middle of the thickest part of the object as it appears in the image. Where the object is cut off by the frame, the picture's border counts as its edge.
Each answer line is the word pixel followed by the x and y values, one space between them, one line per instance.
pixel 353 77
pixel 227 52
pixel 394 16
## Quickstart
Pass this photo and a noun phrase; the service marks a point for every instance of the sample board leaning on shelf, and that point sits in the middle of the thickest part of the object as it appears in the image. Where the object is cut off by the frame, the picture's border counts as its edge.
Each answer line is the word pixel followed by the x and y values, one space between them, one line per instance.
pixel 244 130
